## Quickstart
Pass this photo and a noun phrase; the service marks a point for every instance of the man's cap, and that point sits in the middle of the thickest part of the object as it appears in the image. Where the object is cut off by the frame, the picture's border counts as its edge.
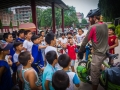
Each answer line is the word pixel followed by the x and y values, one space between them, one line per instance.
pixel 5 45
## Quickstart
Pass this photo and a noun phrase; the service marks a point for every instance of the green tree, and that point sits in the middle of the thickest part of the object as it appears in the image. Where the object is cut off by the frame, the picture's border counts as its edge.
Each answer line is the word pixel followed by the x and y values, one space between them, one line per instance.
pixel 117 31
pixel 1 26
pixel 109 9
pixel 44 17
pixel 84 21
pixel 46 20
pixel 39 12
pixel 39 15
pixel 30 19
pixel 70 16
pixel 11 25
pixel 17 23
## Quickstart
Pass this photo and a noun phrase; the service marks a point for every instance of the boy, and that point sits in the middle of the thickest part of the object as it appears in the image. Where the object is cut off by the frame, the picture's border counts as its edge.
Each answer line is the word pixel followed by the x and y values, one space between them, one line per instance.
pixel 18 46
pixel 63 39
pixel 80 36
pixel 21 35
pixel 5 74
pixel 9 39
pixel 64 61
pixel 27 44
pixel 69 34
pixel 113 42
pixel 42 43
pixel 29 75
pixel 60 80
pixel 71 52
pixel 42 33
pixel 49 70
pixel 51 42
pixel 36 51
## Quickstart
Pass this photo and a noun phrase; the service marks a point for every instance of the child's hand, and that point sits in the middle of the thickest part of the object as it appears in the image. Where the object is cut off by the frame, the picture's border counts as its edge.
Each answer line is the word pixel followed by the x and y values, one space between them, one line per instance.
pixel 59 42
pixel 9 62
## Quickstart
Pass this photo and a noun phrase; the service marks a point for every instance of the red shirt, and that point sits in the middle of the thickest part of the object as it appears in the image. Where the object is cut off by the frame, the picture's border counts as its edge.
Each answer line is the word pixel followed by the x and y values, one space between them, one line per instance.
pixel 71 51
pixel 111 41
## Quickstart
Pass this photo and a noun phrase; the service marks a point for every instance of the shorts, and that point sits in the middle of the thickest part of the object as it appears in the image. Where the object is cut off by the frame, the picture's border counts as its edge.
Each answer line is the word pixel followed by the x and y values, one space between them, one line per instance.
pixel 72 62
pixel 96 67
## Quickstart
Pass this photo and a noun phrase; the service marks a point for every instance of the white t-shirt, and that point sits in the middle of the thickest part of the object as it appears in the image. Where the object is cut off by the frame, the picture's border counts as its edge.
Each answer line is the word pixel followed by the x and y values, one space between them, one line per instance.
pixel 63 40
pixel 50 48
pixel 73 80
pixel 80 38
pixel 15 59
pixel 28 45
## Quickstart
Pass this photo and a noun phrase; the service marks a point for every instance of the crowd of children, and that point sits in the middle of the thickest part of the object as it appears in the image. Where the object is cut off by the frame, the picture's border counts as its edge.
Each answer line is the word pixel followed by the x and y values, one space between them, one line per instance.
pixel 17 57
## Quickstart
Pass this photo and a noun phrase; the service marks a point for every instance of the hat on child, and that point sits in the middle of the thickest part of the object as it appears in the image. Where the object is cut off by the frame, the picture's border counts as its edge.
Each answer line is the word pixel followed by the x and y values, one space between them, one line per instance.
pixel 4 45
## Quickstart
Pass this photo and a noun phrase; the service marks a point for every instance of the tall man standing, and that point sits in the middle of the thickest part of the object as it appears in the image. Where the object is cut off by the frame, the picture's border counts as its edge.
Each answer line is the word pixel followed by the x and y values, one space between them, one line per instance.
pixel 98 34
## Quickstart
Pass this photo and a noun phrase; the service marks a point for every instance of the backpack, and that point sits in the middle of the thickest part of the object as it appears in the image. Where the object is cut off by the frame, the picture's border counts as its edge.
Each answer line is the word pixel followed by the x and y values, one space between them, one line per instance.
pixel 82 73
pixel 110 78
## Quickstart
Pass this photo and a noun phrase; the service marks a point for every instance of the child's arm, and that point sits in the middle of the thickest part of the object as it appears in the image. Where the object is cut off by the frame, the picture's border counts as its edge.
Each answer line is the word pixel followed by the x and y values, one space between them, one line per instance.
pixel 48 80
pixel 32 81
pixel 42 47
pixel 63 45
pixel 17 63
pixel 24 46
pixel 76 80
pixel 9 62
pixel 75 38
pixel 2 69
pixel 15 58
pixel 8 59
pixel 115 45
pixel 47 84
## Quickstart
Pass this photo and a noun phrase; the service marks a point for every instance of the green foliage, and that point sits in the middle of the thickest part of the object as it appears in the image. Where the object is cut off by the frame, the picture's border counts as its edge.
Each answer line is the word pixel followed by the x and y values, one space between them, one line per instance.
pixel 44 17
pixel 70 16
pixel 1 26
pixel 84 21
pixel 11 25
pixel 111 25
pixel 17 23
pixel 30 19
pixel 39 15
pixel 117 31
pixel 109 9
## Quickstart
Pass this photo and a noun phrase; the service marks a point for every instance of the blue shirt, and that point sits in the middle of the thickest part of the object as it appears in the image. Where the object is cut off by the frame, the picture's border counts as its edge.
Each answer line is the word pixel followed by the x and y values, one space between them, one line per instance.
pixel 6 80
pixel 37 55
pixel 19 39
pixel 47 75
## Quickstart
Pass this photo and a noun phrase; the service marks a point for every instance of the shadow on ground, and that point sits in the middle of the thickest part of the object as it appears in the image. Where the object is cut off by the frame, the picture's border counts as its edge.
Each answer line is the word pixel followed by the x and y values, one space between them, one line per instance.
pixel 86 86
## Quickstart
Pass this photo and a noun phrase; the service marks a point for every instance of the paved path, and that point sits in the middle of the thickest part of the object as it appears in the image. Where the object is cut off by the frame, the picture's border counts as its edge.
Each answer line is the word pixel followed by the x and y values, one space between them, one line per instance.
pixel 86 86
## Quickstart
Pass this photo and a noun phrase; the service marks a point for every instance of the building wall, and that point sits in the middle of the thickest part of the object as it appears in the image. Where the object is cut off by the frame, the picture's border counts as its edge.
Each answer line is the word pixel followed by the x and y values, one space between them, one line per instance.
pixel 7 16
pixel 80 16
pixel 23 14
